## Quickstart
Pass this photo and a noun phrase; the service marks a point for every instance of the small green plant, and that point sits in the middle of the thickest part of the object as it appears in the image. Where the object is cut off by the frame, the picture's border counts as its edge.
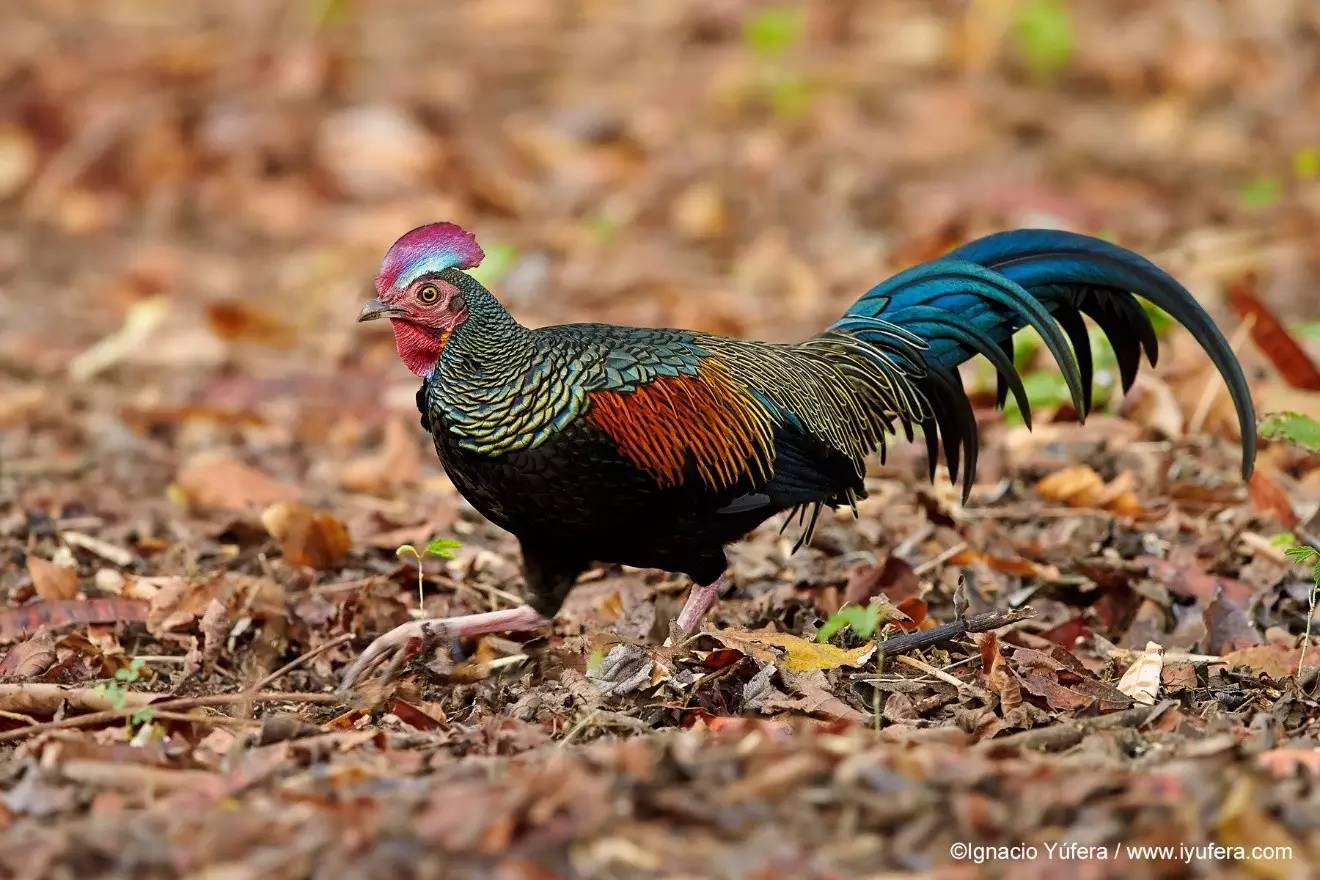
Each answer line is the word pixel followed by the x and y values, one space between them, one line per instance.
pixel 770 35
pixel 1294 428
pixel 499 259
pixel 773 31
pixel 863 620
pixel 1303 554
pixel 1044 36
pixel 441 547
pixel 115 691
pixel 1261 192
pixel 1306 163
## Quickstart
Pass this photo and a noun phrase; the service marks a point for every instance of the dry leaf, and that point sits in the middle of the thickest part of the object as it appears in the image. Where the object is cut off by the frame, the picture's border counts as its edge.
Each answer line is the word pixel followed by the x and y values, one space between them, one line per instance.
pixel 240 320
pixel 1289 357
pixel 29 618
pixel 1227 627
pixel 136 333
pixel 51 581
pixel 1080 486
pixel 215 629
pixel 1141 682
pixel 799 655
pixel 307 537
pixel 232 485
pixel 182 600
pixel 31 658
pixel 1267 496
pixel 1275 660
pixel 397 462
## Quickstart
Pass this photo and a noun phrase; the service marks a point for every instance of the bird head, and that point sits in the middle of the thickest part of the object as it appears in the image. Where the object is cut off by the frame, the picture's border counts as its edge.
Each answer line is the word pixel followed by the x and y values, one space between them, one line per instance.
pixel 420 289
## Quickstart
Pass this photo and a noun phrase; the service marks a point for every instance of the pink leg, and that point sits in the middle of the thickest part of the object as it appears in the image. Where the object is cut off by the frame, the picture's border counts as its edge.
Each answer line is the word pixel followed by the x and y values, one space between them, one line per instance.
pixel 517 619
pixel 699 601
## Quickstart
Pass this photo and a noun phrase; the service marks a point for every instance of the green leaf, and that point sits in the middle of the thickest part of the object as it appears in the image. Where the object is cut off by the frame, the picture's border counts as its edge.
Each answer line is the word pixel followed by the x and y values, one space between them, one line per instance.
pixel 790 96
pixel 142 716
pixel 1159 319
pixel 773 31
pixel 1261 192
pixel 1300 555
pixel 604 228
pixel 862 620
pixel 1306 163
pixel 499 259
pixel 1294 428
pixel 326 13
pixel 1307 329
pixel 442 547
pixel 1284 540
pixel 1044 36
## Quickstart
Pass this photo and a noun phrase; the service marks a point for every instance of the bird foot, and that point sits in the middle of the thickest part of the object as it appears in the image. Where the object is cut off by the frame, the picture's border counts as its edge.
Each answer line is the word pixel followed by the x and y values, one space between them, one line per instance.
pixel 698 603
pixel 432 631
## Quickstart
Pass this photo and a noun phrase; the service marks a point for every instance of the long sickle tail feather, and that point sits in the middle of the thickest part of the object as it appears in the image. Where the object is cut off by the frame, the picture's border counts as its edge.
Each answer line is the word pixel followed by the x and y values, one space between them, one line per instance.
pixel 975 298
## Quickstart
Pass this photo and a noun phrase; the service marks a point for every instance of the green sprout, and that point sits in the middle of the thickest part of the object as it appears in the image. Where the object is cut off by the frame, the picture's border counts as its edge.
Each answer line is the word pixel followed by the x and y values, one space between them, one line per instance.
pixel 773 31
pixel 770 36
pixel 441 547
pixel 862 620
pixel 115 691
pixel 1044 36
pixel 1306 163
pixel 499 259
pixel 1261 192
pixel 1304 554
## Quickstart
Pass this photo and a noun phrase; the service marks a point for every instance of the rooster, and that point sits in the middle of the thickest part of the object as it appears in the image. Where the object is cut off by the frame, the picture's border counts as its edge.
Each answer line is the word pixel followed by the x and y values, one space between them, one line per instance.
pixel 658 447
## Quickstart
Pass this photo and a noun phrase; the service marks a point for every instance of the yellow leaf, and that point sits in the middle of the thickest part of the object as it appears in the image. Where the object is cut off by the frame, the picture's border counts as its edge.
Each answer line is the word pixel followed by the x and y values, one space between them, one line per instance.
pixel 794 653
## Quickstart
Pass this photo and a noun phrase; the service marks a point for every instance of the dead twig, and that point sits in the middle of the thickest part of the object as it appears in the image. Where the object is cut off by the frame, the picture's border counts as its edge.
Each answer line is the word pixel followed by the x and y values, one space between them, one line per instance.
pixel 905 642
pixel 299 661
pixel 1066 734
pixel 94 718
pixel 964 686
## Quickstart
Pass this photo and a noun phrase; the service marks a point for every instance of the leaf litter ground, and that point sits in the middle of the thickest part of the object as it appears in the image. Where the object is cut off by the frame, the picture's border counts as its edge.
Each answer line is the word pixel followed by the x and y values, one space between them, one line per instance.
pixel 207 469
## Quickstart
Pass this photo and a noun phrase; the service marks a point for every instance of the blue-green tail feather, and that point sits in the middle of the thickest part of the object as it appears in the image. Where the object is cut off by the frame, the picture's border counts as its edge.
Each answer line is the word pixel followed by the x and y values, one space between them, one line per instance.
pixel 975 298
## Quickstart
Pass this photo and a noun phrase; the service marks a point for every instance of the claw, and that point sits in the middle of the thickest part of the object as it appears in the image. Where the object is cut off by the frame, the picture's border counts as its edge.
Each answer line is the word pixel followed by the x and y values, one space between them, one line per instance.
pixel 430 631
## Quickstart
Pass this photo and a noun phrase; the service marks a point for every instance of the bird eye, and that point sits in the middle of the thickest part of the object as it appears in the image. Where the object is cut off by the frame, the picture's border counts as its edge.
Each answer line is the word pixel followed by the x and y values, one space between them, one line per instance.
pixel 428 294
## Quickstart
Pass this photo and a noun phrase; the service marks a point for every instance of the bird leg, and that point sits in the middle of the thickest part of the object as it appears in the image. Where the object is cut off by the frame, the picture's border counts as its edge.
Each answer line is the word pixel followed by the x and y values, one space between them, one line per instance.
pixel 517 619
pixel 699 601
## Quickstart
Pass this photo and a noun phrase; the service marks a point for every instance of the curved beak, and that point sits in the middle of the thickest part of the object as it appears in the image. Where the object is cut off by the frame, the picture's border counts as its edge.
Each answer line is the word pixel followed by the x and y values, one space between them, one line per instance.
pixel 377 309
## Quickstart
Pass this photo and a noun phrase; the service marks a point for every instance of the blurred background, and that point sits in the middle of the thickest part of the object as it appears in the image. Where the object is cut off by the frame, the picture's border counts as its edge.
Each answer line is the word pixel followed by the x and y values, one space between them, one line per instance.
pixel 195 196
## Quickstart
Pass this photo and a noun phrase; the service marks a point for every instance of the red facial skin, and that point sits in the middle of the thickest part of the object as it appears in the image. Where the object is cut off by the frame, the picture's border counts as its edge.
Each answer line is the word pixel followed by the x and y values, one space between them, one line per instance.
pixel 420 336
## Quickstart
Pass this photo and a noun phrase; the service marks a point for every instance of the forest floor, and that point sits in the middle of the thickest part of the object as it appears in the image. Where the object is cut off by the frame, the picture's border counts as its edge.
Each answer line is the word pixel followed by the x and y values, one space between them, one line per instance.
pixel 206 468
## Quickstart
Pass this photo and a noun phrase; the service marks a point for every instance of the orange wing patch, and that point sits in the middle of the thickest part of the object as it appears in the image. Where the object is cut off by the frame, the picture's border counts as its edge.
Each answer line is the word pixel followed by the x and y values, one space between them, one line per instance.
pixel 708 418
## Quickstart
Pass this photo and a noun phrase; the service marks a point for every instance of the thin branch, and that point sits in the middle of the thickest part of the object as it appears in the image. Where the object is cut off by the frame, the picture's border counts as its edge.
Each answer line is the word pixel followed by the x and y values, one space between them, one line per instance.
pixel 905 642
pixel 168 705
pixel 299 661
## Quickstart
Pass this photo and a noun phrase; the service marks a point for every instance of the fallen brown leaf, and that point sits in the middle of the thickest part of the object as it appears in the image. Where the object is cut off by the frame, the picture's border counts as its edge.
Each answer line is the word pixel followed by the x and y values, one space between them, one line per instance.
pixel 1275 660
pixel 30 658
pixel 229 484
pixel 305 536
pixel 53 582
pixel 1080 486
pixel 396 463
